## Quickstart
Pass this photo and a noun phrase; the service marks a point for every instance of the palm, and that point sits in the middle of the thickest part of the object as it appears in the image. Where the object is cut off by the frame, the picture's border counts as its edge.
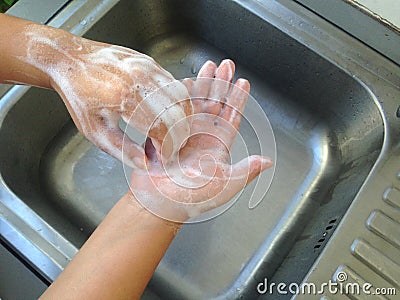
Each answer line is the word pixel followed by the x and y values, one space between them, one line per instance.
pixel 201 178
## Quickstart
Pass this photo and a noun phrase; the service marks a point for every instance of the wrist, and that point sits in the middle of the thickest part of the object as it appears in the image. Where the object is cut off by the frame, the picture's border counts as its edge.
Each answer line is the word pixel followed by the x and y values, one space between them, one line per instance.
pixel 134 208
pixel 51 52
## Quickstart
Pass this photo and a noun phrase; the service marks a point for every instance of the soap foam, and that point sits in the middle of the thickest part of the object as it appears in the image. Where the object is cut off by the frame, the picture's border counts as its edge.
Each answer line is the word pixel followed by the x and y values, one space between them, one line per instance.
pixel 106 68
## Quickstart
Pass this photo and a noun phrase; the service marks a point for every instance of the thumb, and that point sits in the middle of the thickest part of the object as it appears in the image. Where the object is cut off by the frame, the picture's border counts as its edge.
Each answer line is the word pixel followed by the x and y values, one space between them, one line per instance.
pixel 242 173
pixel 111 140
pixel 249 168
pixel 132 154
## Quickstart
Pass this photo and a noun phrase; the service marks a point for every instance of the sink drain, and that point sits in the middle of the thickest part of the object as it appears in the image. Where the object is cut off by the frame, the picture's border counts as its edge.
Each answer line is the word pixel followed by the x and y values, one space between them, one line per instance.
pixel 331 224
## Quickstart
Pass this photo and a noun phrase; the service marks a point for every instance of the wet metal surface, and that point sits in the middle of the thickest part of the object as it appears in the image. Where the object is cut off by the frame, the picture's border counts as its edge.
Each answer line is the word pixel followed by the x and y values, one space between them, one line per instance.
pixel 327 124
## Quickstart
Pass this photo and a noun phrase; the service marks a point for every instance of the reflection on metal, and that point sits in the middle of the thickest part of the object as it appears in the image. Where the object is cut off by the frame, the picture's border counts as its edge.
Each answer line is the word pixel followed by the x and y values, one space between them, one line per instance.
pixel 392 196
pixel 39 11
pixel 377 260
pixel 385 227
pixel 369 9
pixel 359 21
pixel 353 277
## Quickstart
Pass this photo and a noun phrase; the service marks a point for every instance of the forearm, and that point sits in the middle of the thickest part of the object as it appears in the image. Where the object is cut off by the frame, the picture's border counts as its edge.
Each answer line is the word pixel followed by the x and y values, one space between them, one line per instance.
pixel 31 53
pixel 119 258
pixel 13 52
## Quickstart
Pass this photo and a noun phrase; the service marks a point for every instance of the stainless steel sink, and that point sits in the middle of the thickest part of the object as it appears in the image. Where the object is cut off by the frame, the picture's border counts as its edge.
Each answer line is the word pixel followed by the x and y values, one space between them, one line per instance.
pixel 319 87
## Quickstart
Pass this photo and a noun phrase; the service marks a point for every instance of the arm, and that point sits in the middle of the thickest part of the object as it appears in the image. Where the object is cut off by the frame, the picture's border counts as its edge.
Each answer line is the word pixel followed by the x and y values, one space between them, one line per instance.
pixel 99 84
pixel 119 258
pixel 13 46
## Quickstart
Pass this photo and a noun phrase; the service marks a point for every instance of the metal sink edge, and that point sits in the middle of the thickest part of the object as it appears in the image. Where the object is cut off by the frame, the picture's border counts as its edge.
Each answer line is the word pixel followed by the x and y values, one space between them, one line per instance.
pixel 378 75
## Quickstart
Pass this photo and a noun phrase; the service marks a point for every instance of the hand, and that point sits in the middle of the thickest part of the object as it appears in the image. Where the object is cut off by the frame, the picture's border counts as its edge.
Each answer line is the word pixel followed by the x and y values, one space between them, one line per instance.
pixel 201 178
pixel 101 83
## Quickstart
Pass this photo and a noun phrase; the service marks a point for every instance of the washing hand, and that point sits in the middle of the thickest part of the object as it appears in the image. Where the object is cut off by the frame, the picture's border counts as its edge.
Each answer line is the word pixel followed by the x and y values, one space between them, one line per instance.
pixel 201 178
pixel 100 83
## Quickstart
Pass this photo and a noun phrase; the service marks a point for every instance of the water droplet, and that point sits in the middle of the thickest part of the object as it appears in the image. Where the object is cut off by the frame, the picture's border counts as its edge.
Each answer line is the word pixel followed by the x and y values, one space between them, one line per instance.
pixel 91 19
pixel 301 24
pixel 193 69
pixel 83 22
pixel 182 60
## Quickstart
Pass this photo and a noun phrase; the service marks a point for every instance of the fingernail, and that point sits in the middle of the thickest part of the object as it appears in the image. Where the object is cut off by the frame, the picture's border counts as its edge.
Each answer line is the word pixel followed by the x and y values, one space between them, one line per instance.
pixel 243 85
pixel 228 61
pixel 266 161
pixel 205 66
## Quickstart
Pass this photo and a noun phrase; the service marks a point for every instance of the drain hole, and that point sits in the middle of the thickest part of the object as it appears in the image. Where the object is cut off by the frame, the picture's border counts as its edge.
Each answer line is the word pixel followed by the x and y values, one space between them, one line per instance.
pixel 398 112
pixel 328 228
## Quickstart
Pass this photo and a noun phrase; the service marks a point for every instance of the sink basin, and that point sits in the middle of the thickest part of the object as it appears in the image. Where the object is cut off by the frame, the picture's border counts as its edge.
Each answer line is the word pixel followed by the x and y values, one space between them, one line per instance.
pixel 327 125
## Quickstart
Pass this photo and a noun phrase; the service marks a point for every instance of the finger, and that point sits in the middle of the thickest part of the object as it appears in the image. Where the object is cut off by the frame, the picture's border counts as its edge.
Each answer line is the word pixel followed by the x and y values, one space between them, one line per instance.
pixel 163 115
pixel 207 70
pixel 189 85
pixel 202 85
pixel 234 106
pixel 220 87
pixel 133 155
pixel 196 103
pixel 111 140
